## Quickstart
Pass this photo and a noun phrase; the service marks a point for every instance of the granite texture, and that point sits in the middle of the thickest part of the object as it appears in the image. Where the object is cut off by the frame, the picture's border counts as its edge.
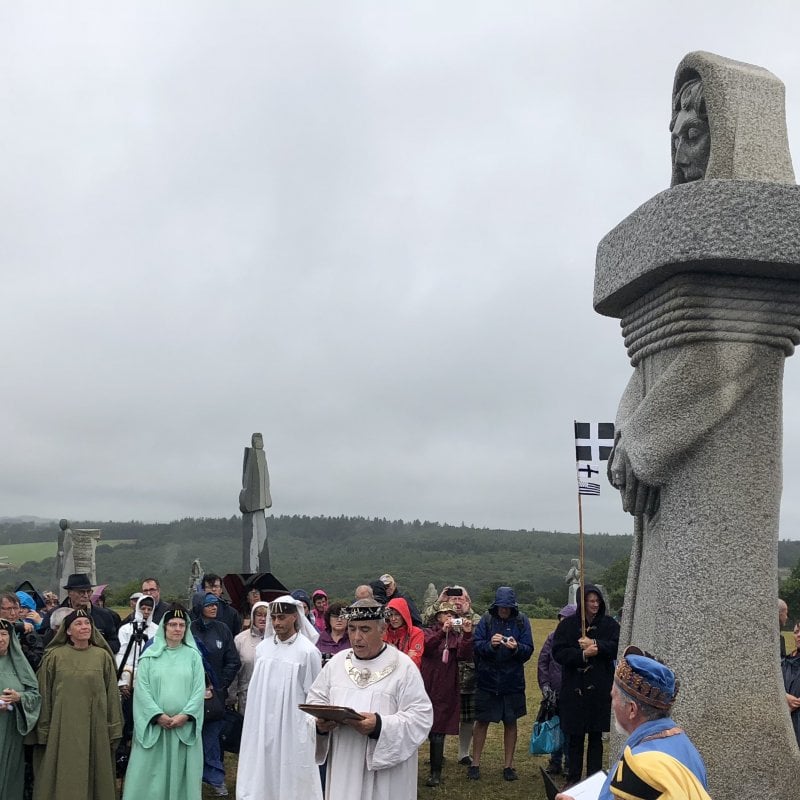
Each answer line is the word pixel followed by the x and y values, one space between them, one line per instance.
pixel 705 278
pixel 735 227
pixel 746 117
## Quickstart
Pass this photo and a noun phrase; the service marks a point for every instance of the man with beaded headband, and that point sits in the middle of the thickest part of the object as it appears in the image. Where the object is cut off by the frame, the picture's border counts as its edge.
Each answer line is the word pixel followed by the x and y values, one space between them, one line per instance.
pixel 276 759
pixel 375 757
pixel 658 760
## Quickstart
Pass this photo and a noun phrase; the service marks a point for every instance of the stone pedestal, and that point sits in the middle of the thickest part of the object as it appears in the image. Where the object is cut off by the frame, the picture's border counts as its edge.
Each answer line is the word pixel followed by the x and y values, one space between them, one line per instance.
pixel 705 278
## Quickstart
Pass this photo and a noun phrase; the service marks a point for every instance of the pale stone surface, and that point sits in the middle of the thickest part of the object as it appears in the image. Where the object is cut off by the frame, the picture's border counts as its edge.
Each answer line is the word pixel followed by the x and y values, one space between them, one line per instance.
pixel 747 117
pixel 76 554
pixel 253 499
pixel 706 280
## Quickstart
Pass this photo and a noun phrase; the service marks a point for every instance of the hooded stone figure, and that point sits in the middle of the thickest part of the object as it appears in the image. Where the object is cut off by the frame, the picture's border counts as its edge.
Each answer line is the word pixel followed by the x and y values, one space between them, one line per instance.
pixel 704 278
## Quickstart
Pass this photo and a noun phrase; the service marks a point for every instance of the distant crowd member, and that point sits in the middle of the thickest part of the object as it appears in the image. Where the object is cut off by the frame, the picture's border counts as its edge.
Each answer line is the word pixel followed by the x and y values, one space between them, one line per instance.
pixel 31 643
pixel 19 709
pixel 226 613
pixel 246 642
pixel 587 672
pixel 27 610
pixel 503 642
pixel 50 600
pixel 99 597
pixel 215 642
pixel 548 676
pixel 376 756
pixel 401 631
pixel 319 601
pixel 129 653
pixel 276 760
pixel 363 592
pixel 783 615
pixel 305 601
pixel 334 638
pixel 79 592
pixel 446 646
pixel 658 759
pixel 167 758
pixel 152 588
pixel 459 597
pixel 80 723
pixel 791 681
pixel 391 591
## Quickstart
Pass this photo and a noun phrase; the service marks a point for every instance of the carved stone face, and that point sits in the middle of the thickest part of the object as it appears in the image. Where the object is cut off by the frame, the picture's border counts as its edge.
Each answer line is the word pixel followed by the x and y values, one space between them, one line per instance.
pixel 691 137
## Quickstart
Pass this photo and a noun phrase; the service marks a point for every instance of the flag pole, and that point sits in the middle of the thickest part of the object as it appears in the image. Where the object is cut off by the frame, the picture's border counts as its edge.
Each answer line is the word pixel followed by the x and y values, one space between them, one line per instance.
pixel 580 564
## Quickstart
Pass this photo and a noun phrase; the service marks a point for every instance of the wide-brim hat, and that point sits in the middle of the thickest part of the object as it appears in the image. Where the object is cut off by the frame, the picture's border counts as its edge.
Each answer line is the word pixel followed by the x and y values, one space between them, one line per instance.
pixel 78 580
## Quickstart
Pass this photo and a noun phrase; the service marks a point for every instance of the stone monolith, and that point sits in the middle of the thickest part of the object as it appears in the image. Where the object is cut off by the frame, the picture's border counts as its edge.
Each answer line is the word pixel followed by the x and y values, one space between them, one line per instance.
pixel 705 278
pixel 253 500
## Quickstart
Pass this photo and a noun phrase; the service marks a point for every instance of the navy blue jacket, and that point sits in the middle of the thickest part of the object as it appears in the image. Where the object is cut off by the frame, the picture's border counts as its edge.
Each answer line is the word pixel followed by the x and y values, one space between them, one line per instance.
pixel 500 670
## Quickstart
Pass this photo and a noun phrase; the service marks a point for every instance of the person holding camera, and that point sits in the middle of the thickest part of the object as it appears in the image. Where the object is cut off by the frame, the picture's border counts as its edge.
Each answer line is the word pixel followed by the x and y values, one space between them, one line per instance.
pixel 31 643
pixel 448 641
pixel 503 643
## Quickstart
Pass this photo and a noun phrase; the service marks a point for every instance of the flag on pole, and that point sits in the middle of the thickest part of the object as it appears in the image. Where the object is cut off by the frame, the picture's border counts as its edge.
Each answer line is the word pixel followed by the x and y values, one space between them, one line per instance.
pixel 593 444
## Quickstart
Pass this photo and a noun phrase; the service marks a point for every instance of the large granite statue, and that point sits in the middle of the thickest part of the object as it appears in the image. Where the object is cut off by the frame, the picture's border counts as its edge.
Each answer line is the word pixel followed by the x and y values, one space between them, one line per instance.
pixel 705 278
pixel 76 553
pixel 253 500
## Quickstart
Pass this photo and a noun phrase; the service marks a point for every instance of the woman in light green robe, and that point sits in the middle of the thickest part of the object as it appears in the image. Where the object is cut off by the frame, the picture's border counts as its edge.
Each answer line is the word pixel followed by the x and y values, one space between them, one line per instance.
pixel 80 723
pixel 167 756
pixel 19 710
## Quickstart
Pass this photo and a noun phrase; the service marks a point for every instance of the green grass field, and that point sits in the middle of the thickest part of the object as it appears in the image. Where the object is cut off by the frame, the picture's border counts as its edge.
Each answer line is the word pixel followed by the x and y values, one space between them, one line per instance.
pixel 18 554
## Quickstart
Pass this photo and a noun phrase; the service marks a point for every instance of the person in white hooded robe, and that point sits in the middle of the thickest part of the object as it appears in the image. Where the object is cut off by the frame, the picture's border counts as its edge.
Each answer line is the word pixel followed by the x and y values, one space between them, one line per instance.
pixel 374 758
pixel 276 758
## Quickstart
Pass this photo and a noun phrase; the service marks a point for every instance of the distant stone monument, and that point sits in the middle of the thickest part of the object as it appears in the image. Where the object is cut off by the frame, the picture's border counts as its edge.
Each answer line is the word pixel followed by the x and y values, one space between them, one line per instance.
pixel 573 580
pixel 253 500
pixel 705 278
pixel 76 553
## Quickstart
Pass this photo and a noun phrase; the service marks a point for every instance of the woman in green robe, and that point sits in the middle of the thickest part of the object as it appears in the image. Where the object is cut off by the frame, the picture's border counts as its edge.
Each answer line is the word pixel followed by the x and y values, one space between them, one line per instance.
pixel 19 710
pixel 80 722
pixel 167 756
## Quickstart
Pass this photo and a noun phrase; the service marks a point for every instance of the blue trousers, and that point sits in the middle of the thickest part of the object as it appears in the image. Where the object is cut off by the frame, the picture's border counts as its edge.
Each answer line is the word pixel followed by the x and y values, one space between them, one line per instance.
pixel 213 768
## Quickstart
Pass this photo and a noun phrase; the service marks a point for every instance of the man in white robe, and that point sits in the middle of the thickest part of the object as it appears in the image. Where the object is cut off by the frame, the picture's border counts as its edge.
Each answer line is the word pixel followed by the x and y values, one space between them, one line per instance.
pixel 374 758
pixel 276 759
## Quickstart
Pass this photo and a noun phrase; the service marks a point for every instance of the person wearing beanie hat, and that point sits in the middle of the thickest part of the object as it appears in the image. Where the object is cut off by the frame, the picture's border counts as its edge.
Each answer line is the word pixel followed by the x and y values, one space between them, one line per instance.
pixel 658 759
pixel 80 723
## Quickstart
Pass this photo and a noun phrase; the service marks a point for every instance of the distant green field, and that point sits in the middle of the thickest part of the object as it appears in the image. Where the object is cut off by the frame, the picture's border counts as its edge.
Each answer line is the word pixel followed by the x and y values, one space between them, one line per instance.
pixel 18 554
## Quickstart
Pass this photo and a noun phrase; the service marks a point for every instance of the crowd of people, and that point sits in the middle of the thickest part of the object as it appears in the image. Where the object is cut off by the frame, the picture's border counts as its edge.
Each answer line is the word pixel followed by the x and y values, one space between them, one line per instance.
pixel 335 697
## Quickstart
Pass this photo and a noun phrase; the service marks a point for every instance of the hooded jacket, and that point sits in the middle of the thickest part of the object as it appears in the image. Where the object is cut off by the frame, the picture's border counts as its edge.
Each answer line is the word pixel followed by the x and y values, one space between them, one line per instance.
pixel 215 643
pixel 409 639
pixel 318 617
pixel 501 670
pixel 585 699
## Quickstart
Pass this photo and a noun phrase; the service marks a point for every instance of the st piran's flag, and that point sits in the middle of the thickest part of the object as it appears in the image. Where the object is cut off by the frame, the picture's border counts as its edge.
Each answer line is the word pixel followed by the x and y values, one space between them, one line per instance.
pixel 593 444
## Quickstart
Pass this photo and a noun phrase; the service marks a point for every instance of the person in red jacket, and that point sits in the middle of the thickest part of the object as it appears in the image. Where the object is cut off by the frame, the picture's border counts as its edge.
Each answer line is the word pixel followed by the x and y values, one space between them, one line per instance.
pixel 400 631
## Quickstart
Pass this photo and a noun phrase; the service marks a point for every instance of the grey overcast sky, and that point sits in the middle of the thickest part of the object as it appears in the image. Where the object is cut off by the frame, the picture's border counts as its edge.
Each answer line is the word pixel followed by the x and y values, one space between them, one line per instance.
pixel 367 230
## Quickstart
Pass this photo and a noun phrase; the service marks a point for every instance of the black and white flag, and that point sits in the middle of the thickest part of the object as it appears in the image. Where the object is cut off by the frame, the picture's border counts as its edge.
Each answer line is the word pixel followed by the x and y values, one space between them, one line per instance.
pixel 593 444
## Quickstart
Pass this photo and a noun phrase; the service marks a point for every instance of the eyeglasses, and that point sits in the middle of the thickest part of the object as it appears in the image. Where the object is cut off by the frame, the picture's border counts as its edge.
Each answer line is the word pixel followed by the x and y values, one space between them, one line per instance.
pixel 85 592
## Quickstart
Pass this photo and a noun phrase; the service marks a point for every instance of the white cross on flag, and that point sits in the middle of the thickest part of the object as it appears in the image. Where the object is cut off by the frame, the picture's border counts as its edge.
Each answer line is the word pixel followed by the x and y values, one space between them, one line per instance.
pixel 593 444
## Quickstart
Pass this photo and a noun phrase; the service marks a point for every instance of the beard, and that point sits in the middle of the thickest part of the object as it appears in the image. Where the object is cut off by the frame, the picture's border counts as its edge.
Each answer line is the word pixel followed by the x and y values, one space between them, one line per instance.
pixel 619 729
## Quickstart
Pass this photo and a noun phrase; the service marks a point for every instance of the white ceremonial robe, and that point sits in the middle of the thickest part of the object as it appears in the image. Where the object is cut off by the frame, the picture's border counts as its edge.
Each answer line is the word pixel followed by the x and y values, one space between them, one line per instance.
pixel 276 759
pixel 360 768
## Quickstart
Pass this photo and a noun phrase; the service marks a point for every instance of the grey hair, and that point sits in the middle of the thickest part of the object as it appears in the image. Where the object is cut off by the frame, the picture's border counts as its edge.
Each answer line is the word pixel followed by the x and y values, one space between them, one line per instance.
pixel 648 712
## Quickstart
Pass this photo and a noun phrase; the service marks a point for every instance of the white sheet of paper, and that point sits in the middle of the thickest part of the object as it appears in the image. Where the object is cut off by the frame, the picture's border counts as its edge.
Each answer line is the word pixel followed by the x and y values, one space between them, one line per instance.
pixel 589 788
